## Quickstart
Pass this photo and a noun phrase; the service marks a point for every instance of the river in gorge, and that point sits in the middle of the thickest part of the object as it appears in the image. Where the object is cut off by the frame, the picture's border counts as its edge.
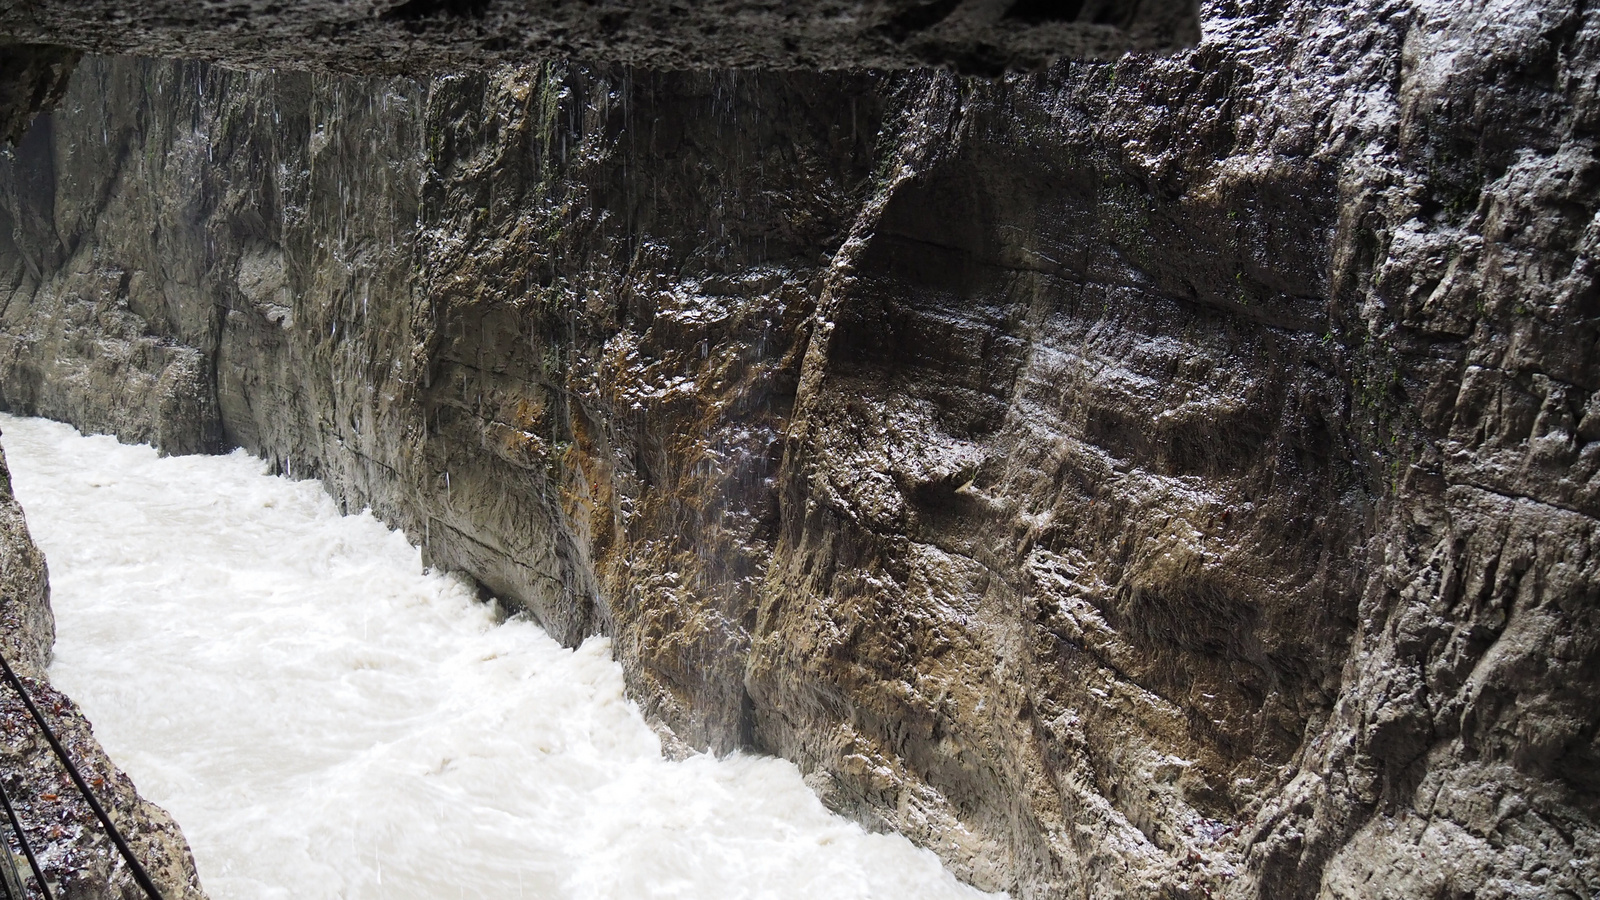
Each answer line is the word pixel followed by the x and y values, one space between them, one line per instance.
pixel 327 719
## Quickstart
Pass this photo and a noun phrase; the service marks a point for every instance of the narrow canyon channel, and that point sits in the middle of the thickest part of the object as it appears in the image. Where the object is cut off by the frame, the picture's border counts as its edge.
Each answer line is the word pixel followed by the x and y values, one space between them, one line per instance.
pixel 326 719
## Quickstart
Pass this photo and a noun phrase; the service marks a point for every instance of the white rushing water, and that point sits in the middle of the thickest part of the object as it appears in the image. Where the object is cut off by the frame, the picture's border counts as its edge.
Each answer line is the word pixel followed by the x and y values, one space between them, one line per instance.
pixel 326 720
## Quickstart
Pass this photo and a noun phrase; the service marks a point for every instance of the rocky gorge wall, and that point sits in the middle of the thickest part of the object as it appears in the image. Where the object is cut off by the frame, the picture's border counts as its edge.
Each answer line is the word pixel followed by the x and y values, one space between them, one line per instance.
pixel 1172 477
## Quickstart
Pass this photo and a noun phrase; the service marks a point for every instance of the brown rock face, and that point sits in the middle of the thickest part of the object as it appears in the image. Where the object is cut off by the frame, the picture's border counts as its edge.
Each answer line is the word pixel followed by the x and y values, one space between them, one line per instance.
pixel 72 846
pixel 1164 478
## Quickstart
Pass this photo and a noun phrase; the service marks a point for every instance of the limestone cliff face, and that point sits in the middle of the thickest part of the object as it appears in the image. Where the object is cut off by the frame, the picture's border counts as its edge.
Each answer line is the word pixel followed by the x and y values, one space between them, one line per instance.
pixel 1173 477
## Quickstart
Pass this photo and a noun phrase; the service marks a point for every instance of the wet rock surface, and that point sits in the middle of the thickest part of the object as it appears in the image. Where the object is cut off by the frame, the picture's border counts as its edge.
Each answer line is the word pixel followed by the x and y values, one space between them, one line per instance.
pixel 1172 477
pixel 73 848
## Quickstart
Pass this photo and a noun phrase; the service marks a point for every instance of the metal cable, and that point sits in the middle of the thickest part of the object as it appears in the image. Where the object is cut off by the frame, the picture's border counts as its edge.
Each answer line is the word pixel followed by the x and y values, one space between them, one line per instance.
pixel 139 874
pixel 22 841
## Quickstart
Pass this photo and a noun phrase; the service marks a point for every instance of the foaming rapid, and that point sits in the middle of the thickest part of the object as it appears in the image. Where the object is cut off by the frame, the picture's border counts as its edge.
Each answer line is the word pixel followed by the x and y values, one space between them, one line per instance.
pixel 325 719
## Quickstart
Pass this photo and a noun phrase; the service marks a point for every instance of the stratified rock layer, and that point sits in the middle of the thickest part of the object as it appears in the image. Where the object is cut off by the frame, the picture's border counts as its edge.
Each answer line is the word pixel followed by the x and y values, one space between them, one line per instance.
pixel 72 847
pixel 1166 478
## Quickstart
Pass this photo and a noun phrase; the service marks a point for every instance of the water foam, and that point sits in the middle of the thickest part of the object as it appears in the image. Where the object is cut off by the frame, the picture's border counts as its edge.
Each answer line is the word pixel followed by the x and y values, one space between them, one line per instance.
pixel 325 719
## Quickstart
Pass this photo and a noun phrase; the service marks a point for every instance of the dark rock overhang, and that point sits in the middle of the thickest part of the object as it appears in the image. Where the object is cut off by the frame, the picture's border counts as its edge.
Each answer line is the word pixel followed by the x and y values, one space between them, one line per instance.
pixel 394 36
pixel 40 40
pixel 32 77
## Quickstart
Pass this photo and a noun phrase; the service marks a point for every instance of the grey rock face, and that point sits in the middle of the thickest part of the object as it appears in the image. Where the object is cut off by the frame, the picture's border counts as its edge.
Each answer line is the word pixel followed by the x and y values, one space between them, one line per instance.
pixel 1172 477
pixel 27 625
pixel 72 846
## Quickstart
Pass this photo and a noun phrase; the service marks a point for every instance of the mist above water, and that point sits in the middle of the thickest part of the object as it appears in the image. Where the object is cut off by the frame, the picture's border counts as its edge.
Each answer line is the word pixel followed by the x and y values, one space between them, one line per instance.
pixel 325 719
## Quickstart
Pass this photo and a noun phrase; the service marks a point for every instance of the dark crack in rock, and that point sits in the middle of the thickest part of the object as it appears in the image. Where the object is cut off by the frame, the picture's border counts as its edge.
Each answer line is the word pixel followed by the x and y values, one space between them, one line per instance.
pixel 1173 477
